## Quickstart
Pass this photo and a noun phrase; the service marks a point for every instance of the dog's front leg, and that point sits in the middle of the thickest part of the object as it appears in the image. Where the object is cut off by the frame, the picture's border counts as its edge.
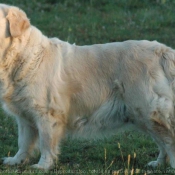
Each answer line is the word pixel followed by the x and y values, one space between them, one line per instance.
pixel 27 136
pixel 50 131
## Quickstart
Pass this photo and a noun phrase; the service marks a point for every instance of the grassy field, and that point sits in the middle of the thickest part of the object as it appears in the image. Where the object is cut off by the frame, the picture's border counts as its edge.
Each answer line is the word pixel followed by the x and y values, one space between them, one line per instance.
pixel 88 22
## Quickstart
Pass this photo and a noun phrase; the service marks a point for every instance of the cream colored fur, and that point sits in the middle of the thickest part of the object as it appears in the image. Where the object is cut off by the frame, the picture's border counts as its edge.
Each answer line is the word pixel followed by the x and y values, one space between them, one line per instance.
pixel 54 88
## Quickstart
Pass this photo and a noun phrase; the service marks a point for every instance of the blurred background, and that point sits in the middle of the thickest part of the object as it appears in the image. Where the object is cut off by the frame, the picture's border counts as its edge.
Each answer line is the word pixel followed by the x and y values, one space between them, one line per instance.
pixel 94 21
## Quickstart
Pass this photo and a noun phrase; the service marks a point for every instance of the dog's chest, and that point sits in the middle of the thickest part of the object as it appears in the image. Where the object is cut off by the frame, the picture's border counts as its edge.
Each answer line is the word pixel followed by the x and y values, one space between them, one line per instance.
pixel 16 105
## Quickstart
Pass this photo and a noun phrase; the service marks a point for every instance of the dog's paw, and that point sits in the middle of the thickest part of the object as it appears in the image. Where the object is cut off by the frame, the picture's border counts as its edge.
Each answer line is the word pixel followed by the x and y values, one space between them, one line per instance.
pixel 45 163
pixel 13 161
pixel 37 166
pixel 154 164
pixel 10 161
pixel 40 167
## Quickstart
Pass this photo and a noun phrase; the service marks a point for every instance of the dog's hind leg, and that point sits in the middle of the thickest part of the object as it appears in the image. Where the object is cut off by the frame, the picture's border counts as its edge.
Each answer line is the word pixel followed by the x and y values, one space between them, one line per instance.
pixel 51 130
pixel 157 120
pixel 166 146
pixel 161 159
pixel 27 136
pixel 162 130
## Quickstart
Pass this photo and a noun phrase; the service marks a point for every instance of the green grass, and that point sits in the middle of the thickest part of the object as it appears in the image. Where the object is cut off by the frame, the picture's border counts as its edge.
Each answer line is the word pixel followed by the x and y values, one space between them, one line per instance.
pixel 88 22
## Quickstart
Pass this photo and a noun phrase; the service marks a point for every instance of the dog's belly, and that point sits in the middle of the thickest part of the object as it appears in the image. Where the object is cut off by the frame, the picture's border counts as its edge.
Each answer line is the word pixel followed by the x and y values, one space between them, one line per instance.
pixel 109 118
pixel 89 129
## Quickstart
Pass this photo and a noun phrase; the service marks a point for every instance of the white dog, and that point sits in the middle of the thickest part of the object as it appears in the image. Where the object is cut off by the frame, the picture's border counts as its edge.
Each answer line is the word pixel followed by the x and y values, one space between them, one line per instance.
pixel 53 88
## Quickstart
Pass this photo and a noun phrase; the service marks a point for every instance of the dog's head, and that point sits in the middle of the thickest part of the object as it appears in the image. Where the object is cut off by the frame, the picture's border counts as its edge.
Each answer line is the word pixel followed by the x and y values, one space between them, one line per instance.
pixel 13 21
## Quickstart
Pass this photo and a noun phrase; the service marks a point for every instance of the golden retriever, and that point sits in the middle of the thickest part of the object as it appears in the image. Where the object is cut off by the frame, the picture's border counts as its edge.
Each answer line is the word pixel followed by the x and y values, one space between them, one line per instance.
pixel 54 88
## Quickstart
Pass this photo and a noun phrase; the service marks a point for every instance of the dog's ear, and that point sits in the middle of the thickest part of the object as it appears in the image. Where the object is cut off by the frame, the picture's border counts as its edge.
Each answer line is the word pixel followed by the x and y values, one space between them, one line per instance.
pixel 18 21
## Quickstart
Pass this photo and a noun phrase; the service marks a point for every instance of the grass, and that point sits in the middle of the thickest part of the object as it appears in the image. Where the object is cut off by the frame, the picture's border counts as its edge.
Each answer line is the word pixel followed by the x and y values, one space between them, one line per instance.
pixel 88 22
